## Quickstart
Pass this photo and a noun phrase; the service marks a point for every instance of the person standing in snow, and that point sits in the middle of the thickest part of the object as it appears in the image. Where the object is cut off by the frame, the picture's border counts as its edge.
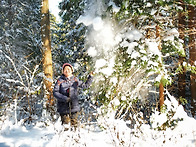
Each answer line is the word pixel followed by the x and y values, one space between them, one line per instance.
pixel 66 93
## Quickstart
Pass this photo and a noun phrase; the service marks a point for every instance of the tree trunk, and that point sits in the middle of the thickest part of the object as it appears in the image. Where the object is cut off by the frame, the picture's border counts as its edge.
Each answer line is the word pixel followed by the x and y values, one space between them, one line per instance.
pixel 161 95
pixel 46 51
pixel 161 87
pixel 181 29
pixel 10 13
pixel 192 53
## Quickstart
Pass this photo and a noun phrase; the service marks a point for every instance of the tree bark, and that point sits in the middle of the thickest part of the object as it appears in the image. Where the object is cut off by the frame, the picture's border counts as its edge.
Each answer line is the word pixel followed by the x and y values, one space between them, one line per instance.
pixel 161 87
pixel 46 51
pixel 181 29
pixel 192 53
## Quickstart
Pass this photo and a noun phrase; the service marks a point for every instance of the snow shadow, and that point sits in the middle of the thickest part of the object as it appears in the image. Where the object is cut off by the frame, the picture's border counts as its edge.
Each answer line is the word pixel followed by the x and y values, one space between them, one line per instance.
pixel 20 136
pixel 3 145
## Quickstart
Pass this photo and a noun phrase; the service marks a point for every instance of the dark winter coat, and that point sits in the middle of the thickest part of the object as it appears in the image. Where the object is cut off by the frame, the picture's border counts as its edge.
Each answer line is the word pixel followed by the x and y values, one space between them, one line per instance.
pixel 68 88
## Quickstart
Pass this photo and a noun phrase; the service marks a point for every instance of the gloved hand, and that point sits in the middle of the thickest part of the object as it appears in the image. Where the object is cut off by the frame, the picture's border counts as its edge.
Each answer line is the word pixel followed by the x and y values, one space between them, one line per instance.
pixel 68 99
pixel 75 84
pixel 92 73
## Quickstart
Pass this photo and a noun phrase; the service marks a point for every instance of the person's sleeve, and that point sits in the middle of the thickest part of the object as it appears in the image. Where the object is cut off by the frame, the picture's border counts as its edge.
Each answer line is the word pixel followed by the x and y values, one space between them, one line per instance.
pixel 86 84
pixel 57 94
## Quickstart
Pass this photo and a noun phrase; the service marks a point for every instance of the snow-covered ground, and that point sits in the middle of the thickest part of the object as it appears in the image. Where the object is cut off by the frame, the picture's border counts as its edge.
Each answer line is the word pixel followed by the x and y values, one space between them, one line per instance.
pixel 51 136
pixel 116 132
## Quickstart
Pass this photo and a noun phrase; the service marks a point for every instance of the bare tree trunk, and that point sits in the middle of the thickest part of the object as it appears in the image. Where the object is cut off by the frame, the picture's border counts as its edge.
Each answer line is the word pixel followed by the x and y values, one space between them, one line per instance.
pixel 10 12
pixel 161 87
pixel 161 95
pixel 181 29
pixel 46 51
pixel 192 53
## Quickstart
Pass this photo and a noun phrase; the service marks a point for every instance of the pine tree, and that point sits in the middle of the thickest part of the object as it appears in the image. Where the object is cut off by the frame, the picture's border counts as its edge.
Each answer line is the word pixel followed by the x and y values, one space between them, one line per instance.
pixel 70 44
pixel 143 17
pixel 20 45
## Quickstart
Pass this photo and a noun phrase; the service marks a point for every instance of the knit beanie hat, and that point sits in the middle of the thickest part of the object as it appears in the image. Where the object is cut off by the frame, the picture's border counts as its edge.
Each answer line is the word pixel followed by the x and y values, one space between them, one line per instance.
pixel 67 64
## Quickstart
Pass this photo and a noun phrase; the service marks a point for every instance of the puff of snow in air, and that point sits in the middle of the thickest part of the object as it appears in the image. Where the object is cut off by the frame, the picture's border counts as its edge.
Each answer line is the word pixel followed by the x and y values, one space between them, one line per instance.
pixel 86 20
pixel 92 51
pixel 115 8
pixel 97 23
pixel 100 63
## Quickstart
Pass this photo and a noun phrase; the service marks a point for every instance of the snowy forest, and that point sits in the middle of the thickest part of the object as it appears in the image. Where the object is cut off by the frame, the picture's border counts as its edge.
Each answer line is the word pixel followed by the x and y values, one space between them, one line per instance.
pixel 142 54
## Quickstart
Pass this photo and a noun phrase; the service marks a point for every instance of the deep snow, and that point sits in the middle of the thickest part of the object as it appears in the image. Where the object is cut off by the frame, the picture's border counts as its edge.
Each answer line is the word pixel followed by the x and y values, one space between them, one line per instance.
pixel 116 132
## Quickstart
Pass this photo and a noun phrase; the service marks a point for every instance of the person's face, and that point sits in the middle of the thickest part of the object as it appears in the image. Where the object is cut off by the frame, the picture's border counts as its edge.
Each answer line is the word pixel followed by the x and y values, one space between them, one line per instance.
pixel 67 71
